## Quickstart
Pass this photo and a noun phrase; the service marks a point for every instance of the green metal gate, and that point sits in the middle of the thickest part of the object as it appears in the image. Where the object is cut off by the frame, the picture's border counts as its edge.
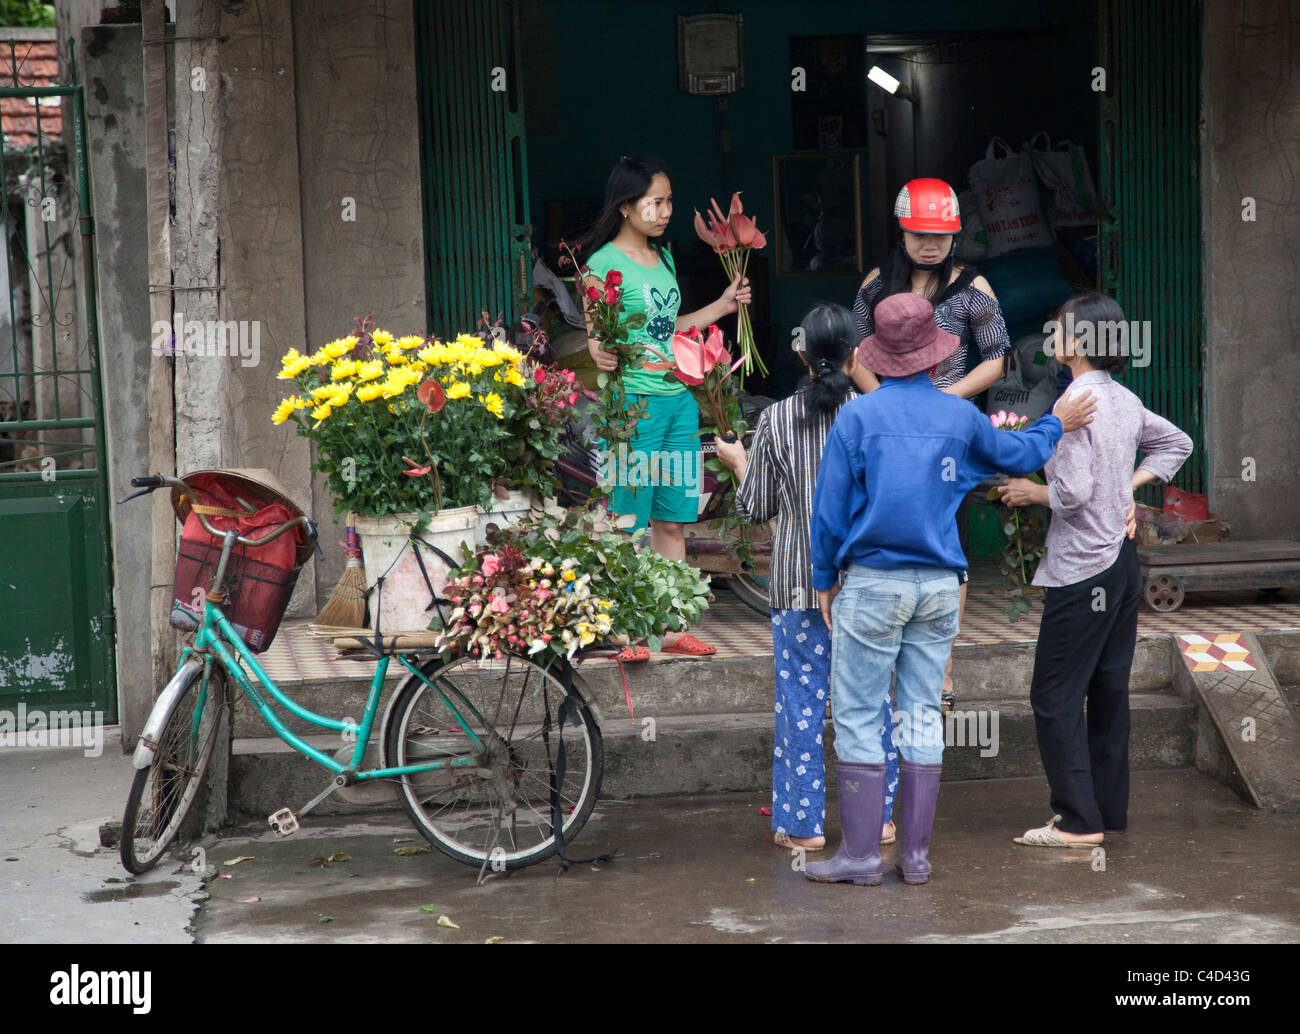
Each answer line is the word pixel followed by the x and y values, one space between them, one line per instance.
pixel 56 614
pixel 477 237
pixel 1151 255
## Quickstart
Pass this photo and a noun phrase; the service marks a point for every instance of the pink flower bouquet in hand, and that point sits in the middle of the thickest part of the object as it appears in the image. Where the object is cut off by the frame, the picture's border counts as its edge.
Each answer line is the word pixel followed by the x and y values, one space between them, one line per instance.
pixel 704 365
pixel 732 238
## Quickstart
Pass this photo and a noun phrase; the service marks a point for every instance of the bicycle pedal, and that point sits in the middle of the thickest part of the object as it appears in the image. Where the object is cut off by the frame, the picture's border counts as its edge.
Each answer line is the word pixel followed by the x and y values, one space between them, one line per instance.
pixel 283 822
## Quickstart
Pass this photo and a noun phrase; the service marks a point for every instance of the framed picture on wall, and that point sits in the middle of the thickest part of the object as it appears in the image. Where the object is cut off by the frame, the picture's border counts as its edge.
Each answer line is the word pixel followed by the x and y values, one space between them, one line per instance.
pixel 818 214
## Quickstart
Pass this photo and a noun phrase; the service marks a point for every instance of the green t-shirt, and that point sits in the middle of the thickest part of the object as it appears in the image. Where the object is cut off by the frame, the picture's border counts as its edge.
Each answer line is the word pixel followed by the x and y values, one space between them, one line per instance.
pixel 653 291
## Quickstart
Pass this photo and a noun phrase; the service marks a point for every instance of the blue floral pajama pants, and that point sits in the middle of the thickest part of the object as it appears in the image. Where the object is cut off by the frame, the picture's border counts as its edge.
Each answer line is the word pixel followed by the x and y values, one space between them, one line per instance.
pixel 801 658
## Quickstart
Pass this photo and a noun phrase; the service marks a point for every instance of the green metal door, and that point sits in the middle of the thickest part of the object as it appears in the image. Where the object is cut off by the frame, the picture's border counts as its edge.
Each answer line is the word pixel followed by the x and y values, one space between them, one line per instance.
pixel 477 237
pixel 1151 255
pixel 56 615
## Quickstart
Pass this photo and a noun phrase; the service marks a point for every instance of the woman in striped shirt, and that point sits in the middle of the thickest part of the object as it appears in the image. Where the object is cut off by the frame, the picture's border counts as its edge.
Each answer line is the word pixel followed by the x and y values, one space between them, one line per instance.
pixel 778 481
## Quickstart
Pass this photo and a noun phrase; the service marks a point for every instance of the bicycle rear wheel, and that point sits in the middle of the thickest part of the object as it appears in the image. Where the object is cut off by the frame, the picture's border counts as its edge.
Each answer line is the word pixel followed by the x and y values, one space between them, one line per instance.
pixel 495 805
pixel 162 794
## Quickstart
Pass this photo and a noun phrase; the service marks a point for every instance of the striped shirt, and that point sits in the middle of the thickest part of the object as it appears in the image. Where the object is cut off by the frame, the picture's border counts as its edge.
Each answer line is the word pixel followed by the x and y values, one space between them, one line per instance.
pixel 779 482
pixel 968 313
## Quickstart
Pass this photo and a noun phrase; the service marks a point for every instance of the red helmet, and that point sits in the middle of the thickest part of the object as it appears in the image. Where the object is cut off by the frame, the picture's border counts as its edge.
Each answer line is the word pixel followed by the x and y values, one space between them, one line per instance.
pixel 928 206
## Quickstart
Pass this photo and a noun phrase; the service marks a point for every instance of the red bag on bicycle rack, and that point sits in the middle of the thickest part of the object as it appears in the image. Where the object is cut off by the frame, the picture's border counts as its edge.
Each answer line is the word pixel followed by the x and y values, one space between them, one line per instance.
pixel 259 581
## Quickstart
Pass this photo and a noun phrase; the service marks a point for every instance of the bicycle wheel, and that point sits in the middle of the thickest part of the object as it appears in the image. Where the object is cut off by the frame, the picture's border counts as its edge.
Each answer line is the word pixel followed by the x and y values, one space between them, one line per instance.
pixel 496 804
pixel 162 794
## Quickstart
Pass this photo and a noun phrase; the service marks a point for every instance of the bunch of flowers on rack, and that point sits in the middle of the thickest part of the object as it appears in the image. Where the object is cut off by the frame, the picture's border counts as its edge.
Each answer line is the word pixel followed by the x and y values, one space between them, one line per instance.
pixel 411 423
pixel 1026 535
pixel 564 580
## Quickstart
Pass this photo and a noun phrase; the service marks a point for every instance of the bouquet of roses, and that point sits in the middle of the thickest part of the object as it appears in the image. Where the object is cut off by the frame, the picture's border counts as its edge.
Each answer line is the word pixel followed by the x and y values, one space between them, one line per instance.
pixel 732 238
pixel 1024 531
pixel 603 304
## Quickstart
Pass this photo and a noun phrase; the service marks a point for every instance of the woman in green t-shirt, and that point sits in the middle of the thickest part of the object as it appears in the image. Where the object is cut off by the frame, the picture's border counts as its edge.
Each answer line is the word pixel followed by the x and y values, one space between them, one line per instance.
pixel 628 237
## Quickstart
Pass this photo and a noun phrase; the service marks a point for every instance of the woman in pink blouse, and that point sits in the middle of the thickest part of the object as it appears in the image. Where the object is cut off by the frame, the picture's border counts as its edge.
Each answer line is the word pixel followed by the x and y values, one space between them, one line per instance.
pixel 1089 626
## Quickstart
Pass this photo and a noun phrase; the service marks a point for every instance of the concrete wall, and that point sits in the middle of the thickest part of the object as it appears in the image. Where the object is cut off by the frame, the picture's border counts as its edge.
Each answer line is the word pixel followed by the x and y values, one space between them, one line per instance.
pixel 358 138
pixel 1251 148
pixel 112 69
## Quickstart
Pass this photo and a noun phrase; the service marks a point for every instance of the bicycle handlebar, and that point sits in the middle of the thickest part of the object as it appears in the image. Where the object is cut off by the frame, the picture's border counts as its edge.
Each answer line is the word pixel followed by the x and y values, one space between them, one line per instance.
pixel 155 481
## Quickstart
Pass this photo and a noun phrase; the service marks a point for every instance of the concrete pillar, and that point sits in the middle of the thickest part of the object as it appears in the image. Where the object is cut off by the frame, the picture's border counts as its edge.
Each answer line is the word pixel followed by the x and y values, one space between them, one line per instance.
pixel 111 71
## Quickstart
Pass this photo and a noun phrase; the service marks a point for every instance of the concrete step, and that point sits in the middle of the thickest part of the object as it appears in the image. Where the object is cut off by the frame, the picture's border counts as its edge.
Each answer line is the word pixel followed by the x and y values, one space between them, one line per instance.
pixel 678 686
pixel 703 753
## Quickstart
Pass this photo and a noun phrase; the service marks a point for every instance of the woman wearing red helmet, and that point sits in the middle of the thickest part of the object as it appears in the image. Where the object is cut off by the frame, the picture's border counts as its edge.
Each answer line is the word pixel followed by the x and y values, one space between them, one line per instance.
pixel 922 262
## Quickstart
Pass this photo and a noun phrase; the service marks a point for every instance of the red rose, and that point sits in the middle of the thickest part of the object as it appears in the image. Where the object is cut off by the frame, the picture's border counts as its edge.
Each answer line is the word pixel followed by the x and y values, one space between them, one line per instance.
pixel 593 293
pixel 613 278
pixel 611 296
pixel 540 375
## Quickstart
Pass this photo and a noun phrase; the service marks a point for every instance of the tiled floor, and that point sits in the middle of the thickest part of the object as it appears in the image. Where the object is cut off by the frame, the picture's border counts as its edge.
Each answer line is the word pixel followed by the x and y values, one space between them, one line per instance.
pixel 737 631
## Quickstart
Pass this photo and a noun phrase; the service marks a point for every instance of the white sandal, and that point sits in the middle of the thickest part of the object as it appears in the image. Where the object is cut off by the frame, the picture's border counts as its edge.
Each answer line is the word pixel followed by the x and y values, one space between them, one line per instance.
pixel 1049 836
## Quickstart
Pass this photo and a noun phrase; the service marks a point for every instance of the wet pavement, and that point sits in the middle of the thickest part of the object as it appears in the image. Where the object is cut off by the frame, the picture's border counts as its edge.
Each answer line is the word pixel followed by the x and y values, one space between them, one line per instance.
pixel 1197 866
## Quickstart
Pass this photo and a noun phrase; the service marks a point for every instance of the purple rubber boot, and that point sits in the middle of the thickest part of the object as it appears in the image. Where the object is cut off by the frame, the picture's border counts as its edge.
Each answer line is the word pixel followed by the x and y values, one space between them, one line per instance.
pixel 918 792
pixel 862 802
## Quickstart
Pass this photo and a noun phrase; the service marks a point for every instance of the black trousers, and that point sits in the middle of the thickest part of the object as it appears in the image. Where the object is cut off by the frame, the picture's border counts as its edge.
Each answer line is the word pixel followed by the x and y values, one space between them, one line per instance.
pixel 1085 653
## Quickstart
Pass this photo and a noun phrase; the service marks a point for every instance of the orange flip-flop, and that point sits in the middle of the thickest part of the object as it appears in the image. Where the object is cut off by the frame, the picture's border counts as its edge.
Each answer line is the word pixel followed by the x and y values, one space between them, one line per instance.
pixel 690 646
pixel 633 654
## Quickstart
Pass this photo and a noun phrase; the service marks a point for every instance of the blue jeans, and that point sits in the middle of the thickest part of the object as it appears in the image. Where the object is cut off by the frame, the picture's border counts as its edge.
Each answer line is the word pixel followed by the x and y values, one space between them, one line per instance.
pixel 882 620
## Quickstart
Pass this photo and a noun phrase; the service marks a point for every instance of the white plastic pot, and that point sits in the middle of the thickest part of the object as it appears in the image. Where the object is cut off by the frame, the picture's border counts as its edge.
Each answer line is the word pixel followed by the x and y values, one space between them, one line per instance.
pixel 388 553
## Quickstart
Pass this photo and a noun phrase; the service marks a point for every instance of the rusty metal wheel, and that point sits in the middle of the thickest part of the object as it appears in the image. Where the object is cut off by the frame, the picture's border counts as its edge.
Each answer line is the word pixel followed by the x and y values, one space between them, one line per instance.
pixel 1164 592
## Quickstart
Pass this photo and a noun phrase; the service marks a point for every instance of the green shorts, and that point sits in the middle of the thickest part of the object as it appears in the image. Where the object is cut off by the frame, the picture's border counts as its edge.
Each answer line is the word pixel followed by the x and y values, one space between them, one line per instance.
pixel 657 476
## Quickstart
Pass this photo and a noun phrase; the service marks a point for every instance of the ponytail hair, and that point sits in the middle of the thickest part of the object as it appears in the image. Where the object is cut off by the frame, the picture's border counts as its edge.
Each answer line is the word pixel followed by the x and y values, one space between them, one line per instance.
pixel 830 336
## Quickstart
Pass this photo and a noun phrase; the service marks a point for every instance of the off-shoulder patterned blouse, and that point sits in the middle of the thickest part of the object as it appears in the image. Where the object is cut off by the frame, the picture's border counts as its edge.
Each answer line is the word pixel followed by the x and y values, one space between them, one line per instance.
pixel 969 313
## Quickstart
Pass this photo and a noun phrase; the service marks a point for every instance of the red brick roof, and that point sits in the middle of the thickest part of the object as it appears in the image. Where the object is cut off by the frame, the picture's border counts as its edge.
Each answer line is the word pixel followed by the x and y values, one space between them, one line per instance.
pixel 38 65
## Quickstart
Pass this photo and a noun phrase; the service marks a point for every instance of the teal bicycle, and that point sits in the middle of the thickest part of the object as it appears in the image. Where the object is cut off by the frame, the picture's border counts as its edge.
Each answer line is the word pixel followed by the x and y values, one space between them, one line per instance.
pixel 498 763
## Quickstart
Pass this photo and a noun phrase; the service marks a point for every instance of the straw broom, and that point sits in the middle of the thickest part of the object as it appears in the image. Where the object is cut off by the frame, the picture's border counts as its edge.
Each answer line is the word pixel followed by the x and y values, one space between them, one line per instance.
pixel 346 607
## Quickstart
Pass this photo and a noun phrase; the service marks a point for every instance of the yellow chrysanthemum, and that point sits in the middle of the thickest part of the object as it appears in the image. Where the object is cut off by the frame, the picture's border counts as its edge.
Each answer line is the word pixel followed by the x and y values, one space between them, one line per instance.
pixel 321 412
pixel 509 352
pixel 339 394
pixel 370 371
pixel 418 366
pixel 395 356
pixel 342 369
pixel 409 341
pixel 382 337
pixel 323 391
pixel 339 348
pixel 369 392
pixel 511 376
pixel 459 390
pixel 393 387
pixel 284 409
pixel 431 354
pixel 318 358
pixel 492 403
pixel 292 365
pixel 568 576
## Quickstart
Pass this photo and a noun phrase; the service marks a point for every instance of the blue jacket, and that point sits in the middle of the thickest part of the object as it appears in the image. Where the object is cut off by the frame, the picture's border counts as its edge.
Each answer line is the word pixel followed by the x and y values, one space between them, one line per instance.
pixel 896 465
